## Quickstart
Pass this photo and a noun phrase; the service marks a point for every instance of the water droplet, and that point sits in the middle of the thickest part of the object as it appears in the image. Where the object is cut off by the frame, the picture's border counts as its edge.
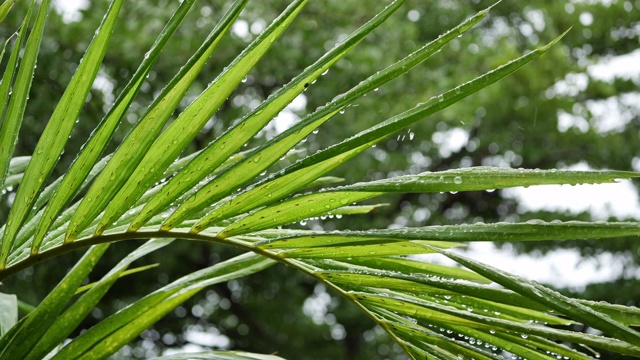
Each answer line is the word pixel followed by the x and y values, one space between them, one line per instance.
pixel 535 222
pixel 457 180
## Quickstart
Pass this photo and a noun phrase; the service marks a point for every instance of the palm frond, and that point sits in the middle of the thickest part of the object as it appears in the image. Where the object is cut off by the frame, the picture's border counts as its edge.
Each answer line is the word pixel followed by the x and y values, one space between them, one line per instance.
pixel 221 194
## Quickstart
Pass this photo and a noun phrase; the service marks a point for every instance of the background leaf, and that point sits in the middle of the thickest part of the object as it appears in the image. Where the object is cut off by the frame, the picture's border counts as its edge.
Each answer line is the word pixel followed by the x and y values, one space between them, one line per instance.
pixel 9 313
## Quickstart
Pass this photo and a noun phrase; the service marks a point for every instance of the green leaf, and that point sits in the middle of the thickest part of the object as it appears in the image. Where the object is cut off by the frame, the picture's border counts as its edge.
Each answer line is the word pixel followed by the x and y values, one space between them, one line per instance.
pixel 16 171
pixel 419 337
pixel 337 239
pixel 412 300
pixel 4 47
pixel 452 323
pixel 25 308
pixel 425 280
pixel 488 178
pixel 219 355
pixel 8 312
pixel 58 129
pixel 67 322
pixel 550 298
pixel 267 154
pixel 36 324
pixel 124 273
pixel 129 154
pixel 422 338
pixel 184 129
pixel 405 270
pixel 18 164
pixel 481 326
pixel 531 230
pixel 5 8
pixel 378 248
pixel 235 137
pixel 273 190
pixel 421 273
pixel 325 180
pixel 388 127
pixel 29 228
pixel 18 90
pixel 298 208
pixel 481 178
pixel 356 209
pixel 628 315
pixel 119 329
pixel 95 145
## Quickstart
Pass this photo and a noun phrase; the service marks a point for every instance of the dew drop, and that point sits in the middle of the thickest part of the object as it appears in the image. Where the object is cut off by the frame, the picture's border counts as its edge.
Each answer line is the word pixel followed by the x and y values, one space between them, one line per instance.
pixel 457 180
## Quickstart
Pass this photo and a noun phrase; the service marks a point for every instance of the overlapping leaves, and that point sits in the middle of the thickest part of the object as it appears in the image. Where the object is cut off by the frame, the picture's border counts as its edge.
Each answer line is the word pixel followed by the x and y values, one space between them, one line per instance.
pixel 144 190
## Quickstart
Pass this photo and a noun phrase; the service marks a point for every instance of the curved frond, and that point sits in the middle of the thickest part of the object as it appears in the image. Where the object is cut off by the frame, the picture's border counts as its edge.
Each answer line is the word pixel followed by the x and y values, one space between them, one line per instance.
pixel 149 189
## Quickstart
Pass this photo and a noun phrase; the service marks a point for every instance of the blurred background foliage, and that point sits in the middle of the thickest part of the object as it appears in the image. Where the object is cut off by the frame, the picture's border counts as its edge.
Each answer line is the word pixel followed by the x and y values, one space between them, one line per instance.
pixel 557 112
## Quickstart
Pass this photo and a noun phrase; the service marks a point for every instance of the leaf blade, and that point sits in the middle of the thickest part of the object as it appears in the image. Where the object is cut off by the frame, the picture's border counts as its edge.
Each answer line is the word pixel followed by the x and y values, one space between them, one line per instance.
pixel 241 132
pixel 15 109
pixel 109 335
pixel 184 129
pixel 130 153
pixel 265 155
pixel 96 144
pixel 550 298
pixel 56 133
pixel 73 316
pixel 38 321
